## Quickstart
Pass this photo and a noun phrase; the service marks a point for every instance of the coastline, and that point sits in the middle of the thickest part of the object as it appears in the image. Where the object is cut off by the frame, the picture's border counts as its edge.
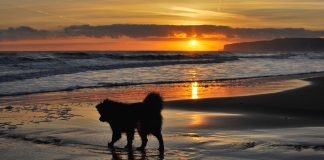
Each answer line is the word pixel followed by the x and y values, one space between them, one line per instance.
pixel 170 91
pixel 303 101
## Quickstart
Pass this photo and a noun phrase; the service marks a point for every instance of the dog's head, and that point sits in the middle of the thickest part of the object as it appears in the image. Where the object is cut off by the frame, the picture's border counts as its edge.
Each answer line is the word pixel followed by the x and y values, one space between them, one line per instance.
pixel 103 109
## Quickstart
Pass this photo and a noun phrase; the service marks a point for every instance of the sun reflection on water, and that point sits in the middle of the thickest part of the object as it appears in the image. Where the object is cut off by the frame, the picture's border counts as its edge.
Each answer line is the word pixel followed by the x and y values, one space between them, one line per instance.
pixel 194 90
pixel 196 119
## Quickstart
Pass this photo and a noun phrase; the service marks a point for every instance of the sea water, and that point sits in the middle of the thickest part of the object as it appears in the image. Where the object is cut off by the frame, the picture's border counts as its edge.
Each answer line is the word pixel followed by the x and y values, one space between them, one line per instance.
pixel 33 72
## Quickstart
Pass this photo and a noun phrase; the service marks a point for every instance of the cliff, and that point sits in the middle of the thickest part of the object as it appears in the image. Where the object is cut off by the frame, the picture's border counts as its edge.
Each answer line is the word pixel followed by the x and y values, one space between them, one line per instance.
pixel 286 44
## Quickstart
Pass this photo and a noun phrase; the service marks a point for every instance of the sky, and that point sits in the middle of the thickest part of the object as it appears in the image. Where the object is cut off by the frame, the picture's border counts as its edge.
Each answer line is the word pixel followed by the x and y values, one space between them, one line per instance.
pixel 55 16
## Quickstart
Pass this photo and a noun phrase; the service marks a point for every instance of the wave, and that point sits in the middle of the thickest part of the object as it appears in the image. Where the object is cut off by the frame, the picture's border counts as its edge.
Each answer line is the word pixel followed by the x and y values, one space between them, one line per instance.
pixel 25 57
pixel 129 56
pixel 19 69
pixel 133 55
pixel 77 69
pixel 277 55
pixel 49 140
pixel 43 64
pixel 111 85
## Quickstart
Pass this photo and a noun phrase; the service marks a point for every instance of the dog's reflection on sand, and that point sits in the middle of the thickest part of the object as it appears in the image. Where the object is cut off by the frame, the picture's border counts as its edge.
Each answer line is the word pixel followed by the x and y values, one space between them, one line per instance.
pixel 122 154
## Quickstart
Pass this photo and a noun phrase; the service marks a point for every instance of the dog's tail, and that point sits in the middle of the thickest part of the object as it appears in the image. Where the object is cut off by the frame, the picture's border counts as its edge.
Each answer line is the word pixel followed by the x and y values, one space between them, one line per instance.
pixel 154 101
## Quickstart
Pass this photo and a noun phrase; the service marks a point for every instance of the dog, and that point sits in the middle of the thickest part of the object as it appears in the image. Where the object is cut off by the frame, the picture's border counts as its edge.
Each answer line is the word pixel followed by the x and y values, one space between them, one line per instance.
pixel 126 117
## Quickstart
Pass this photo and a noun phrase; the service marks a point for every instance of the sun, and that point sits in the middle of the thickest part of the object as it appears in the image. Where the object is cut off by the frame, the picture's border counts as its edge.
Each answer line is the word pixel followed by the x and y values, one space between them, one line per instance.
pixel 193 42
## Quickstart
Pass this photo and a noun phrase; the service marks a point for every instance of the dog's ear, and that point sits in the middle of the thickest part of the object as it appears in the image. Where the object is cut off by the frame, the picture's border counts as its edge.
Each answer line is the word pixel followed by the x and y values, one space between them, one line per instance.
pixel 106 100
pixel 103 102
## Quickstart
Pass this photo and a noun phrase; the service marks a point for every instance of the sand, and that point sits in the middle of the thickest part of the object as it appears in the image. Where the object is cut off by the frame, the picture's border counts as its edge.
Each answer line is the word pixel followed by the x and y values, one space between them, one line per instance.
pixel 304 101
pixel 281 125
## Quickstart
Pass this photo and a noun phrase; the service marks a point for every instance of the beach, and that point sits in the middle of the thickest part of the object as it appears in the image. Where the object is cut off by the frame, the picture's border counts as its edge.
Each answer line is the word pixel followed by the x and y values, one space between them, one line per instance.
pixel 276 124
pixel 214 80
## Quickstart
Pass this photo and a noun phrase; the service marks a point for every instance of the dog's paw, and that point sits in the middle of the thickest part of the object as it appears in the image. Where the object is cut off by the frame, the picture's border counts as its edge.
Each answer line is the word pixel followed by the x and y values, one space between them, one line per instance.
pixel 161 149
pixel 128 147
pixel 110 145
pixel 140 148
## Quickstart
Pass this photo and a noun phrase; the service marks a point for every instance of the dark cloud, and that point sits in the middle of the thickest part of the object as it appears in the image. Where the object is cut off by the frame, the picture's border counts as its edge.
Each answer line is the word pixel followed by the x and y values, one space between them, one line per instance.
pixel 156 31
pixel 23 32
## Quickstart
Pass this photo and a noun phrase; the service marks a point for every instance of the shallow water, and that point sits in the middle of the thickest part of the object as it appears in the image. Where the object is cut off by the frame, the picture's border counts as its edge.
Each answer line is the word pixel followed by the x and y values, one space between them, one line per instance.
pixel 65 125
pixel 73 131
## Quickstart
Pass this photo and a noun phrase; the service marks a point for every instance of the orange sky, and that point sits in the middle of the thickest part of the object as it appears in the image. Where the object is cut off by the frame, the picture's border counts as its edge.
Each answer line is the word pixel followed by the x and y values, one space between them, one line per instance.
pixel 49 14
pixel 124 43
pixel 55 15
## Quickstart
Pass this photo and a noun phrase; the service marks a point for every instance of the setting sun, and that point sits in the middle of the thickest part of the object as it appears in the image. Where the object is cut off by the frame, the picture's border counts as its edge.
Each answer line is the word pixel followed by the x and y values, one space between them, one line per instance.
pixel 193 42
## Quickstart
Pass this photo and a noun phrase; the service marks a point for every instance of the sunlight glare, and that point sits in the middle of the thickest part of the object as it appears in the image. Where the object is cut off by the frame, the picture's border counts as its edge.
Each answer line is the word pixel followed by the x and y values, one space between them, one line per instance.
pixel 193 42
pixel 194 90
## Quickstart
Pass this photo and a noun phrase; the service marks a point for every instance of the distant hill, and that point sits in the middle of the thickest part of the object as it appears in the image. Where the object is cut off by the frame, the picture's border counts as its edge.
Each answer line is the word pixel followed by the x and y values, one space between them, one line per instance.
pixel 286 44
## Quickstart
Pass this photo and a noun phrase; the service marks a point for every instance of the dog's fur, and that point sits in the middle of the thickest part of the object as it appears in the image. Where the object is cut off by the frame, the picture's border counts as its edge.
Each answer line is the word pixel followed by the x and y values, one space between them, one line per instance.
pixel 125 118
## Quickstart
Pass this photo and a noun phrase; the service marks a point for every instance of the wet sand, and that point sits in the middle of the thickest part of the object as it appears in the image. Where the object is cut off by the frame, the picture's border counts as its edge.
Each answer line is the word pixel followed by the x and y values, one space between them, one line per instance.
pixel 305 101
pixel 282 125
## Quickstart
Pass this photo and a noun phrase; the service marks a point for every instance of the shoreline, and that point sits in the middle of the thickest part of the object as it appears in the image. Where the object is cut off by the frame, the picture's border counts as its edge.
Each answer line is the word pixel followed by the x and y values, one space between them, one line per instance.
pixel 170 92
pixel 303 101
pixel 109 86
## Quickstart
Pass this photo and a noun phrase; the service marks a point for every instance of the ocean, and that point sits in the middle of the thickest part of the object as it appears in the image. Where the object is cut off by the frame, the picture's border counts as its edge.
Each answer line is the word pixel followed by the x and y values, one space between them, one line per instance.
pixel 33 72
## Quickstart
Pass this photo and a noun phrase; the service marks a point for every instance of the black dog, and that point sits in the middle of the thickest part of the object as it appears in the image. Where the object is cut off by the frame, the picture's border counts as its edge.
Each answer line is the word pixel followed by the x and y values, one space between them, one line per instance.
pixel 125 118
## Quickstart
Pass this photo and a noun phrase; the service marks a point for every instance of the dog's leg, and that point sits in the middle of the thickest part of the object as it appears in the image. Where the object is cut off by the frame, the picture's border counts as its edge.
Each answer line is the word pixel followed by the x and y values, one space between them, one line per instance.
pixel 130 138
pixel 158 135
pixel 115 137
pixel 143 136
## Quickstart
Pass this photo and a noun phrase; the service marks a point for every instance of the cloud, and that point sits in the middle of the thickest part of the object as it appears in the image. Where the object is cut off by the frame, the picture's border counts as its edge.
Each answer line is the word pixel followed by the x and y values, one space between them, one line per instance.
pixel 190 12
pixel 143 31
pixel 22 33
